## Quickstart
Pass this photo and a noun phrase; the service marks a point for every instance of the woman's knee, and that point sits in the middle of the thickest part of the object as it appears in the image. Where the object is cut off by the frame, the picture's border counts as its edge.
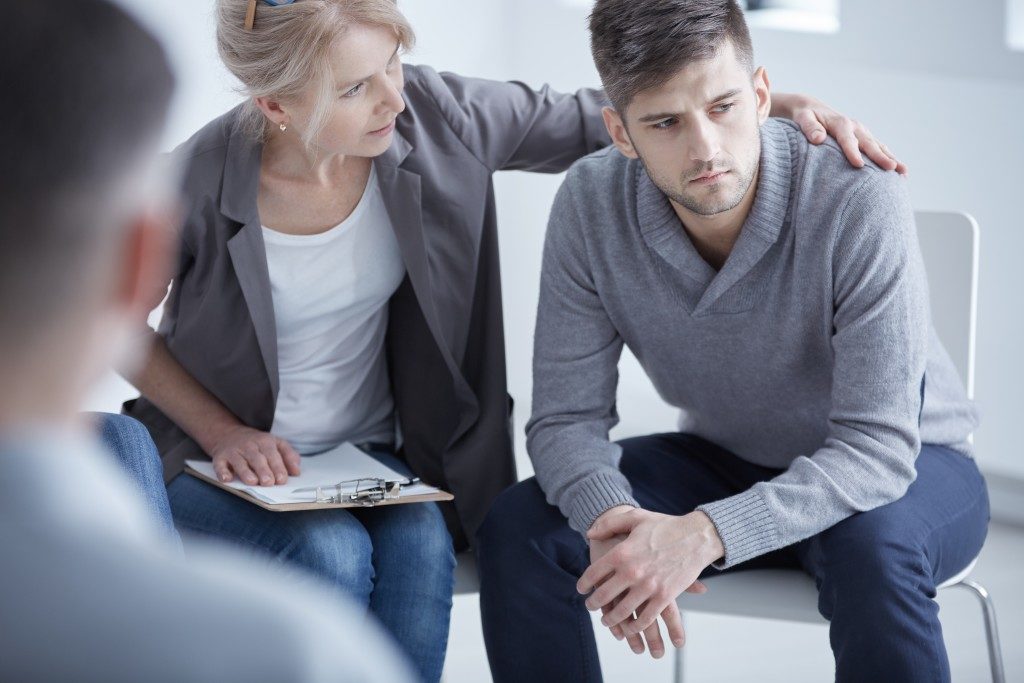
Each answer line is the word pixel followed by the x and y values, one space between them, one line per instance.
pixel 415 534
pixel 129 440
pixel 335 546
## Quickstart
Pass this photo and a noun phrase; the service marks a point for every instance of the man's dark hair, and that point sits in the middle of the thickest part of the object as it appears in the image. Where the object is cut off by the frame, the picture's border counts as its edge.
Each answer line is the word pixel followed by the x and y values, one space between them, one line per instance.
pixel 638 44
pixel 85 91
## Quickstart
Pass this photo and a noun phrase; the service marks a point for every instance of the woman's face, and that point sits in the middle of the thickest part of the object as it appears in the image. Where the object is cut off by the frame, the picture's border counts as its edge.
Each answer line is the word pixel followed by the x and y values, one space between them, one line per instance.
pixel 368 84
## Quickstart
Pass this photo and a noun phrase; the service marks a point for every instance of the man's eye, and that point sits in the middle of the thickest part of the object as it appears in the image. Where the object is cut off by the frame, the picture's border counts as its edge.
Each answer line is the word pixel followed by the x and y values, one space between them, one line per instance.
pixel 664 125
pixel 354 91
pixel 721 109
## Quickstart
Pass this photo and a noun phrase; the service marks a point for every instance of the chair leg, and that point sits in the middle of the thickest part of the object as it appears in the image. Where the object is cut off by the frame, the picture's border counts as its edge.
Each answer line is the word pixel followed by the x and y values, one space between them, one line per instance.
pixel 995 652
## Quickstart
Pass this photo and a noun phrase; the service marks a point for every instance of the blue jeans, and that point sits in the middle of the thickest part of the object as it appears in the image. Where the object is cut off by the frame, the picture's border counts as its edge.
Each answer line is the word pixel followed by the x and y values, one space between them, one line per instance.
pixel 129 441
pixel 876 571
pixel 396 560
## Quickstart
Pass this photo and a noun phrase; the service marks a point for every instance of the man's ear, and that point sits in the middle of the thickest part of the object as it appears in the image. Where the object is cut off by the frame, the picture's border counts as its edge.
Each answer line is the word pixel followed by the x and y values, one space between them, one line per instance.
pixel 762 94
pixel 149 250
pixel 617 130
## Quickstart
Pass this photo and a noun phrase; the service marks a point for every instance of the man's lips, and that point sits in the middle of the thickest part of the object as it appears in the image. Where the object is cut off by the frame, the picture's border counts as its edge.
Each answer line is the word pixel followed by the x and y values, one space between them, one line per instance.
pixel 709 178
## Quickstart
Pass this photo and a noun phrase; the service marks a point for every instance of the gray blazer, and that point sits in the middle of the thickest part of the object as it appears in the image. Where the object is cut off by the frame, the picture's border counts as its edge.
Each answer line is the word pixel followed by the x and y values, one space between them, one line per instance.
pixel 445 345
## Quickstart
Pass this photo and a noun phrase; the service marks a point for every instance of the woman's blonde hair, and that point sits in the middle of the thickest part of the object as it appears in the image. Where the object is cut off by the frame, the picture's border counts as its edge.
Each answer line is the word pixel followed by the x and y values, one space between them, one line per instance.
pixel 288 48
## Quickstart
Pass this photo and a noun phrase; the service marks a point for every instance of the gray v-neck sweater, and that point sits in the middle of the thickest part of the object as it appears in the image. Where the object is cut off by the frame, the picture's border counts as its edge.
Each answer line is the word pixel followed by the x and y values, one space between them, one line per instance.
pixel 806 352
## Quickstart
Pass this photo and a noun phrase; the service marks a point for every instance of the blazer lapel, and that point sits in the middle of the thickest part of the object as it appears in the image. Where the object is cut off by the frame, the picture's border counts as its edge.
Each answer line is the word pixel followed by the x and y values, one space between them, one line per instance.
pixel 248 254
pixel 403 198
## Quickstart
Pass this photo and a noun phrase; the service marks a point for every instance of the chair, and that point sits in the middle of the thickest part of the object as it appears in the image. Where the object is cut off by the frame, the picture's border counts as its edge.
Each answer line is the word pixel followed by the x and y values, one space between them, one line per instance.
pixel 949 243
pixel 467 581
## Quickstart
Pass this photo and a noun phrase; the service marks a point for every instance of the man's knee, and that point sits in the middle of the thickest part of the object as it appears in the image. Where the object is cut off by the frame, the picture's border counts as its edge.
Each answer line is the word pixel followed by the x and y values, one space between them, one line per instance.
pixel 874 564
pixel 518 516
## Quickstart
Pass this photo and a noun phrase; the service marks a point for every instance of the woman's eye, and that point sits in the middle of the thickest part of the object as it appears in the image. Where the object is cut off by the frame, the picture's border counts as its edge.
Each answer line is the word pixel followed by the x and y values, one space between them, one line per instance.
pixel 354 91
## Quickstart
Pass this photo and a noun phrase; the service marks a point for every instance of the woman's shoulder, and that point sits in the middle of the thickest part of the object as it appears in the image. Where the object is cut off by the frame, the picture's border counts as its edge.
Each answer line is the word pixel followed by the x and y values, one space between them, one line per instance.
pixel 209 143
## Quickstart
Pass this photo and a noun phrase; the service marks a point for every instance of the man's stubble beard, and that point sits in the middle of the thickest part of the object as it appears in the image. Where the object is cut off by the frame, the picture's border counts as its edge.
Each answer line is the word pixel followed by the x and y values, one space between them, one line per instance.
pixel 709 206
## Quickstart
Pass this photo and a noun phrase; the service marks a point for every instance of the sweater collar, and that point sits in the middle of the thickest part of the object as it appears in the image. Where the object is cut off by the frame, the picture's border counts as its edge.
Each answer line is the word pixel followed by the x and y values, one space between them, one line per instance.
pixel 663 233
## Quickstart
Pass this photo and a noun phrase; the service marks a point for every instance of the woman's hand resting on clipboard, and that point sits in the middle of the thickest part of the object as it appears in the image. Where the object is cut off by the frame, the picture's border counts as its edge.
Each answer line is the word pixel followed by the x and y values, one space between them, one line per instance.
pixel 255 457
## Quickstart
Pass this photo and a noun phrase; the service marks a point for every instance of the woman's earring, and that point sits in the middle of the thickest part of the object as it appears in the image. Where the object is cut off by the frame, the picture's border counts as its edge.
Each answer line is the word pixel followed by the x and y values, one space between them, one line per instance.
pixel 283 128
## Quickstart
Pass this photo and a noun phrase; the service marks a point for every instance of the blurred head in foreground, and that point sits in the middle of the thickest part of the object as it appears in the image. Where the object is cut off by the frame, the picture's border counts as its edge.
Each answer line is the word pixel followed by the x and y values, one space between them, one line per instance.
pixel 85 233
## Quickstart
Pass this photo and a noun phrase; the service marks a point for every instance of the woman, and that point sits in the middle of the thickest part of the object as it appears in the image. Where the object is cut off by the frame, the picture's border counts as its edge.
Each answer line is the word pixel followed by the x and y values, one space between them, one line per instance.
pixel 339 282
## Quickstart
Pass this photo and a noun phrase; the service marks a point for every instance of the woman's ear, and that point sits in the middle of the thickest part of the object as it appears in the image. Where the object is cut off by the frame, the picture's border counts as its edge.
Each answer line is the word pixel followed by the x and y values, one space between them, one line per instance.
pixel 273 110
pixel 617 130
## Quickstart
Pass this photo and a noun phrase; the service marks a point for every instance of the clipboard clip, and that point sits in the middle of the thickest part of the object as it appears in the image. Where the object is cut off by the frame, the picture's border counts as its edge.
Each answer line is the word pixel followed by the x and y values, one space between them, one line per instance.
pixel 365 492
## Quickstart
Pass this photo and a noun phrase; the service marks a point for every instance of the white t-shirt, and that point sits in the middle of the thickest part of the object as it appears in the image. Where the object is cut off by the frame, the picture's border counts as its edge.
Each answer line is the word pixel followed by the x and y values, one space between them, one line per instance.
pixel 330 293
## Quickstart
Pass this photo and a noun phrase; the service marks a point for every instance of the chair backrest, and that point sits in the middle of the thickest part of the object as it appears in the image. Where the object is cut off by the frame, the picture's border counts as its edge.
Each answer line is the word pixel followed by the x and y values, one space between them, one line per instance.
pixel 949 244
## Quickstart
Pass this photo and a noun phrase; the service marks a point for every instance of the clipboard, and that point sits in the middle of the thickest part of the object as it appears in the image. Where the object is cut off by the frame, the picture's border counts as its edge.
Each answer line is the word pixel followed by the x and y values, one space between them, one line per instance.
pixel 336 476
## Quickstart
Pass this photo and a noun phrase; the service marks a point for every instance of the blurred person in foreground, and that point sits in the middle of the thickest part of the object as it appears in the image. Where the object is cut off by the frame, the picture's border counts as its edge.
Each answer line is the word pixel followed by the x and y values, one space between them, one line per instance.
pixel 90 589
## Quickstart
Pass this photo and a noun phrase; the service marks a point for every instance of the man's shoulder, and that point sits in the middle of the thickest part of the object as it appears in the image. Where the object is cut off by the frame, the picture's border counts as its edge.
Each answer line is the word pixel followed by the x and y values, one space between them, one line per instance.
pixel 599 173
pixel 828 188
pixel 824 165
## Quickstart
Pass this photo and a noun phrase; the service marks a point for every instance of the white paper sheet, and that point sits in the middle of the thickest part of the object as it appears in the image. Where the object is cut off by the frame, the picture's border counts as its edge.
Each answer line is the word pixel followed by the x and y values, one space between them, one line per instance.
pixel 343 463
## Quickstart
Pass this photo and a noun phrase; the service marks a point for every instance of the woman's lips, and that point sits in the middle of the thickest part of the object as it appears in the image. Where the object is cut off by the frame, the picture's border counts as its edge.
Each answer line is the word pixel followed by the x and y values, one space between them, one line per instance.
pixel 381 132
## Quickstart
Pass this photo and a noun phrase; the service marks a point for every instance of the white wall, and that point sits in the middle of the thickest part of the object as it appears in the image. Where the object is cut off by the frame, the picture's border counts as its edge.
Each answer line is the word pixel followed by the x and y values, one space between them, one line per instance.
pixel 932 79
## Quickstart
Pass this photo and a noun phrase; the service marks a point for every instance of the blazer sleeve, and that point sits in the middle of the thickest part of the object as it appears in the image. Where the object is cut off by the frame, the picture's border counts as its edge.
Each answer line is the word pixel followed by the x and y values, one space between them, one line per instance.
pixel 510 126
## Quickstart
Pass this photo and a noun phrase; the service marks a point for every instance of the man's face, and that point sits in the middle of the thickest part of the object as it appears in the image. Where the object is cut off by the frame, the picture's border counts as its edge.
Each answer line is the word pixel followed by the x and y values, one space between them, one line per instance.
pixel 698 134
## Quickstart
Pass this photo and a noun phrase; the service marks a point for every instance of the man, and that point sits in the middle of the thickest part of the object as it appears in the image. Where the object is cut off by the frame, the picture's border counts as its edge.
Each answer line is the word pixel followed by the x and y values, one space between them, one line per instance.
pixel 91 591
pixel 778 298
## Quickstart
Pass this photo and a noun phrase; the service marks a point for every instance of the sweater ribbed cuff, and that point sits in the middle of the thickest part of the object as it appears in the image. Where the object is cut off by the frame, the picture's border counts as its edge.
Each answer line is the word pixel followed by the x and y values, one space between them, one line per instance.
pixel 745 525
pixel 593 496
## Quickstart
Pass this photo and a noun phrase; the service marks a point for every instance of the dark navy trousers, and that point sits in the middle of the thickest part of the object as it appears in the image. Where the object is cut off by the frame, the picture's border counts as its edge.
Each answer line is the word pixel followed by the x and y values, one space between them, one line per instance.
pixel 876 571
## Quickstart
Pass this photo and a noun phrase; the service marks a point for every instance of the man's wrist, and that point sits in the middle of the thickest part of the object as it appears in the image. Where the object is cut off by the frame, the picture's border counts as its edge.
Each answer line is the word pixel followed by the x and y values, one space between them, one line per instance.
pixel 714 548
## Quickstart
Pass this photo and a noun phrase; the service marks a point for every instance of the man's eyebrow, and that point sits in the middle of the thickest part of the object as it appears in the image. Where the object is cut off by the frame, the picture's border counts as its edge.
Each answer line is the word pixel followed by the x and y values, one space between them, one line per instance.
pixel 660 116
pixel 345 86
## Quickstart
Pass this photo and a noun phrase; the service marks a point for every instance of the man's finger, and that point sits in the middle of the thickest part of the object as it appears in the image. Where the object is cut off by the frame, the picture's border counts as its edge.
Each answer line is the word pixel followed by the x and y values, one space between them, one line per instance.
pixel 649 613
pixel 628 604
pixel 697 588
pixel 674 624
pixel 616 630
pixel 652 634
pixel 607 592
pixel 635 641
pixel 594 576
